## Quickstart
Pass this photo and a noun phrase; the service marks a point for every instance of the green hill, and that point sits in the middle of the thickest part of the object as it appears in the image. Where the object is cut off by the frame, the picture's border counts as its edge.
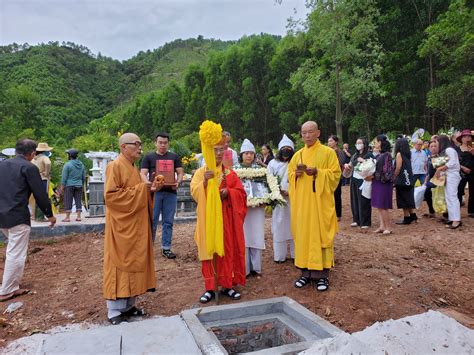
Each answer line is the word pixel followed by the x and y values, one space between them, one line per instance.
pixel 53 91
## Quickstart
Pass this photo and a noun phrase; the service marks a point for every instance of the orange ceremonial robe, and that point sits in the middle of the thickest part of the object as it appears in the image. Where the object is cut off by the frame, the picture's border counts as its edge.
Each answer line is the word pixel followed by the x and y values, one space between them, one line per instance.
pixel 230 267
pixel 129 268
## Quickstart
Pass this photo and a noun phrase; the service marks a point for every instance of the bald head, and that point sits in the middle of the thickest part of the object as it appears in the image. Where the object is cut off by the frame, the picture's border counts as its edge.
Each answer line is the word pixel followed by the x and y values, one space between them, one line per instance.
pixel 310 125
pixel 128 138
pixel 130 146
pixel 310 133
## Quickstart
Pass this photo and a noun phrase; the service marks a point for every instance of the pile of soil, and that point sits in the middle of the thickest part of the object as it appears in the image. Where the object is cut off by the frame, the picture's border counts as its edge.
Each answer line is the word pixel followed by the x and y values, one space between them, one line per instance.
pixel 420 267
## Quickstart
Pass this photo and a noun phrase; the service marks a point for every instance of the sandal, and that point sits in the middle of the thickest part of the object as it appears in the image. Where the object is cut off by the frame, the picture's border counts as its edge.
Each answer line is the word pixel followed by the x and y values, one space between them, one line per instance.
pixel 16 293
pixel 301 282
pixel 387 232
pixel 378 230
pixel 118 319
pixel 134 312
pixel 322 284
pixel 230 292
pixel 207 296
pixel 78 219
pixel 66 220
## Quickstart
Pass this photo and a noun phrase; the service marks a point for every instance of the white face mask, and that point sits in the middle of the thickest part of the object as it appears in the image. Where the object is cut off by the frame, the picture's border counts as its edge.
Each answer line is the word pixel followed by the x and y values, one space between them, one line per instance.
pixel 359 146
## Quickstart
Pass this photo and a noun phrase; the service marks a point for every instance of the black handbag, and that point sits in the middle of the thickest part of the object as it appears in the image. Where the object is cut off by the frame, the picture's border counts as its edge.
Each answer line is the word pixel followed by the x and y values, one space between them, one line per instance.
pixel 405 178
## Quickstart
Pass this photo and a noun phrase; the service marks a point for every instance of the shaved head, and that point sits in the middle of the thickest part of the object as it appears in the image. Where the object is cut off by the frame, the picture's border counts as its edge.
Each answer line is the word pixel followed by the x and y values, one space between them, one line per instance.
pixel 128 138
pixel 310 125
pixel 310 133
pixel 130 146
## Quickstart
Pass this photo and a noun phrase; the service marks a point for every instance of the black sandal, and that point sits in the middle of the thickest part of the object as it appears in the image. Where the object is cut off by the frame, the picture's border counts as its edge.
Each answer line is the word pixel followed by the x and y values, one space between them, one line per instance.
pixel 301 282
pixel 230 292
pixel 322 284
pixel 207 296
pixel 118 319
pixel 134 312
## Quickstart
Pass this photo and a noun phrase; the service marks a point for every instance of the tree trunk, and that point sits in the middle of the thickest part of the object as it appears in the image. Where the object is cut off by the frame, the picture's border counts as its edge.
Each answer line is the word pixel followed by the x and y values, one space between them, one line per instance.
pixel 433 112
pixel 338 106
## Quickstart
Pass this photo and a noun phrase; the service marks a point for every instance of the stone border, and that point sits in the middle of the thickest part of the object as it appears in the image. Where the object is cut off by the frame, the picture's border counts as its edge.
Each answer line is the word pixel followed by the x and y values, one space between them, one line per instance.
pixel 306 321
pixel 44 232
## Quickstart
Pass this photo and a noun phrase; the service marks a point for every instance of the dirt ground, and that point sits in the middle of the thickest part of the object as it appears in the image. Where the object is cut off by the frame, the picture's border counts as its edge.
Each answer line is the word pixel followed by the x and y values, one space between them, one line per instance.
pixel 419 267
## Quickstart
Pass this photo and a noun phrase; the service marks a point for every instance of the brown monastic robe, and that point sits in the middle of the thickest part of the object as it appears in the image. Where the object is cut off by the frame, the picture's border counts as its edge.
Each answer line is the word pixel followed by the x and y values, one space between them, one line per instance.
pixel 129 268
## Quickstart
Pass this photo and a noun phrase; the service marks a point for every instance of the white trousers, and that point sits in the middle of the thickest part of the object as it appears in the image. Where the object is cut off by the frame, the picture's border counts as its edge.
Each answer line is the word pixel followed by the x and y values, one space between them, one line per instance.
pixel 280 250
pixel 253 260
pixel 17 247
pixel 116 307
pixel 452 201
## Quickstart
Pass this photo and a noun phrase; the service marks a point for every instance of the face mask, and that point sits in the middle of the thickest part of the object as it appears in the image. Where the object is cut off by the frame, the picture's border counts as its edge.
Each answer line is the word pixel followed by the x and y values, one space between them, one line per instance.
pixel 285 153
pixel 359 146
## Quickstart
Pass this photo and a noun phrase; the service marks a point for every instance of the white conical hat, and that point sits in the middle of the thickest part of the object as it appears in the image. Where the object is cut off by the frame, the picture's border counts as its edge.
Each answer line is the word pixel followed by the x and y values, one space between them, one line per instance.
pixel 286 142
pixel 247 146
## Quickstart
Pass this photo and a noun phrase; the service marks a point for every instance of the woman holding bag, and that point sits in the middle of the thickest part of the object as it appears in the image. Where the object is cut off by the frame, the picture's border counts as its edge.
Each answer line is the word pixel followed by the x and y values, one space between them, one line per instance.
pixel 404 184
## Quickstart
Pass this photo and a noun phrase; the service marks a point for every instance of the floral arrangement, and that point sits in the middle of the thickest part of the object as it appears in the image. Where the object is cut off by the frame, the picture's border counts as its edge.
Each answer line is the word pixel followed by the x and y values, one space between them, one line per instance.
pixel 439 161
pixel 273 198
pixel 366 168
pixel 190 163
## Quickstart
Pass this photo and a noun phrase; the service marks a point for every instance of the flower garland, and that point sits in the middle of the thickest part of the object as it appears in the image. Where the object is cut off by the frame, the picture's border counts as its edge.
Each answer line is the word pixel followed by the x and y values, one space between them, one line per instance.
pixel 273 198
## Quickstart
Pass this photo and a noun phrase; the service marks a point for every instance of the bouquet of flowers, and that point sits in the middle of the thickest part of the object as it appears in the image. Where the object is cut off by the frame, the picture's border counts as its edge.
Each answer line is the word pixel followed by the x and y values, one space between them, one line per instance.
pixel 439 180
pixel 366 168
pixel 439 161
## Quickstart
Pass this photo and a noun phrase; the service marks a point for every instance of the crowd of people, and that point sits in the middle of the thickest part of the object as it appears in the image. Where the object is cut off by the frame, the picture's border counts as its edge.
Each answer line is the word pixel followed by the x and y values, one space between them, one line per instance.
pixel 231 191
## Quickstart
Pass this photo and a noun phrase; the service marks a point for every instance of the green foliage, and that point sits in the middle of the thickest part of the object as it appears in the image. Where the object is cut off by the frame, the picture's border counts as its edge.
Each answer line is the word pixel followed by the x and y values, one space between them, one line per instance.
pixel 451 42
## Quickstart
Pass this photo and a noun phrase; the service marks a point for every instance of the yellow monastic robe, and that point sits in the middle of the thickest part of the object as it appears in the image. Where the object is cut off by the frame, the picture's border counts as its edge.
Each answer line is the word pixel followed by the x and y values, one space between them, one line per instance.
pixel 129 268
pixel 313 214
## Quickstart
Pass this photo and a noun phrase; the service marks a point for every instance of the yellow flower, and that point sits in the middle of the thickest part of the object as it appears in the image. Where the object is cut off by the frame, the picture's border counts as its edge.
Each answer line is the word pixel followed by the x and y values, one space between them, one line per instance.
pixel 210 133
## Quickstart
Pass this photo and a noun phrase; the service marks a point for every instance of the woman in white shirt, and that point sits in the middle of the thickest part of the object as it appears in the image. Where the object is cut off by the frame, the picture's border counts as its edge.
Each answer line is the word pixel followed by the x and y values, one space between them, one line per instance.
pixel 453 178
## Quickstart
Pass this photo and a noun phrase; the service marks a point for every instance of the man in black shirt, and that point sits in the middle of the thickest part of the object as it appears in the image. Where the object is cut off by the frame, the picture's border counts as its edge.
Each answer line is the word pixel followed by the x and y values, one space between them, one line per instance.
pixel 19 179
pixel 165 197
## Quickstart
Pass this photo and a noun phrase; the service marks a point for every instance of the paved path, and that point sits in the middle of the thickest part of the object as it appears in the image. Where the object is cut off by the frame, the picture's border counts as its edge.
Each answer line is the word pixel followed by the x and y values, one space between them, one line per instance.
pixel 164 335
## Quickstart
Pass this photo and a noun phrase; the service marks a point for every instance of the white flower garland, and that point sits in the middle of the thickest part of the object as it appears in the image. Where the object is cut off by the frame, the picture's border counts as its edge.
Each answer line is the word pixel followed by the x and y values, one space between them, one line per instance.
pixel 274 197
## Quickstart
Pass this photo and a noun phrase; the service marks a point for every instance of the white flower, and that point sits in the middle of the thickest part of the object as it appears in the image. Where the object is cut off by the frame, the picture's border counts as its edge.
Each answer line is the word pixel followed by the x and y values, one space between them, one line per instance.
pixel 366 168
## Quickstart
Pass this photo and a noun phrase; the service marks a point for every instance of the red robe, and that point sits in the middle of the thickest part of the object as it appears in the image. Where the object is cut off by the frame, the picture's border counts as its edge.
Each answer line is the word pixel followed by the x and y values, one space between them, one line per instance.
pixel 230 267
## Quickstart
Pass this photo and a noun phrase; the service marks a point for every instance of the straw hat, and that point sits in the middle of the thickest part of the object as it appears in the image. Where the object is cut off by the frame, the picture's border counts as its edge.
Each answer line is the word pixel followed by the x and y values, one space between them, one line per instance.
pixel 43 147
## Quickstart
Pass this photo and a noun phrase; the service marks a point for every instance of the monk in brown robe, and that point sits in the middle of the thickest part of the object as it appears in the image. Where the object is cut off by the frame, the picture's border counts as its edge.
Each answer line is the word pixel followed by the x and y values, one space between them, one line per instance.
pixel 231 266
pixel 129 268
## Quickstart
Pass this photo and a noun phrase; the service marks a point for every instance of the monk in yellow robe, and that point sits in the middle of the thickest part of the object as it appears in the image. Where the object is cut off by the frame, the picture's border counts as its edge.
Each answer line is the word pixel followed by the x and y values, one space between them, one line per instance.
pixel 313 175
pixel 231 266
pixel 129 268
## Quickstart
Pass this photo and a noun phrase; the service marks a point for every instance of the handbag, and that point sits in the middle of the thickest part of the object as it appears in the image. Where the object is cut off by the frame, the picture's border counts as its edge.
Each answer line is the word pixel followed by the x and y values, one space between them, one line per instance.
pixel 386 175
pixel 405 177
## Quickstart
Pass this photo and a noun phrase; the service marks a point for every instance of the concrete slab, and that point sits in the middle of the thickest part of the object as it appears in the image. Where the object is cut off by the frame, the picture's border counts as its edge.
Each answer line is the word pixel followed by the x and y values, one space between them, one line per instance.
pixel 164 335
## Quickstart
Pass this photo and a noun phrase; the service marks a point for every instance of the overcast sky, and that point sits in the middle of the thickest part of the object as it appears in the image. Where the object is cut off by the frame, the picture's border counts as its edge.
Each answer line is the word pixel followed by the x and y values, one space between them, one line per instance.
pixel 121 28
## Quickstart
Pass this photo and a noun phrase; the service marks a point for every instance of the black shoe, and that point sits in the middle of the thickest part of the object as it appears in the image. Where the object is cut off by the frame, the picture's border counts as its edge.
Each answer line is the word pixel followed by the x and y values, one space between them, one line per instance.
pixel 168 254
pixel 413 217
pixel 405 220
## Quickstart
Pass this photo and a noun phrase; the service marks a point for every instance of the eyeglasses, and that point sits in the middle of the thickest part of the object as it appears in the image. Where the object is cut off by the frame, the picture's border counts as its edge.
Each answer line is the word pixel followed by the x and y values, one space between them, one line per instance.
pixel 219 150
pixel 136 144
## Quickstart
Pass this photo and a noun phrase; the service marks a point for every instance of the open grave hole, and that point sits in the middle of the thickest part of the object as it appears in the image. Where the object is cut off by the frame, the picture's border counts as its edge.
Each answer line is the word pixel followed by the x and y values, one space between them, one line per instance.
pixel 272 326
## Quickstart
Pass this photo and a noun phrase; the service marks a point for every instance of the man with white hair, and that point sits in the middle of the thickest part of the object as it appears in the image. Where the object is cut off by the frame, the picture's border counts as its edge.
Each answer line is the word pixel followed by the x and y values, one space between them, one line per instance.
pixel 419 162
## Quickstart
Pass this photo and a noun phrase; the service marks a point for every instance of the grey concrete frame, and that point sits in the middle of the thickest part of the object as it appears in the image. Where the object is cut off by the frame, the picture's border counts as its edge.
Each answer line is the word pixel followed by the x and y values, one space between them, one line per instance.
pixel 302 321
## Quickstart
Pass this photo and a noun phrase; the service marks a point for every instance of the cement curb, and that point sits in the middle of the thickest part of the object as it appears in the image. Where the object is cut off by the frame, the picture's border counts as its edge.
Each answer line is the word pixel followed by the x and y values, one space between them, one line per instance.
pixel 44 232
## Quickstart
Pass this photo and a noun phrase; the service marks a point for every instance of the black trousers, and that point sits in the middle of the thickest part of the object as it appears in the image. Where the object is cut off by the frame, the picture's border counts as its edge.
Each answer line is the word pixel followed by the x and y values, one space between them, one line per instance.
pixel 429 197
pixel 338 199
pixel 360 206
pixel 461 188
